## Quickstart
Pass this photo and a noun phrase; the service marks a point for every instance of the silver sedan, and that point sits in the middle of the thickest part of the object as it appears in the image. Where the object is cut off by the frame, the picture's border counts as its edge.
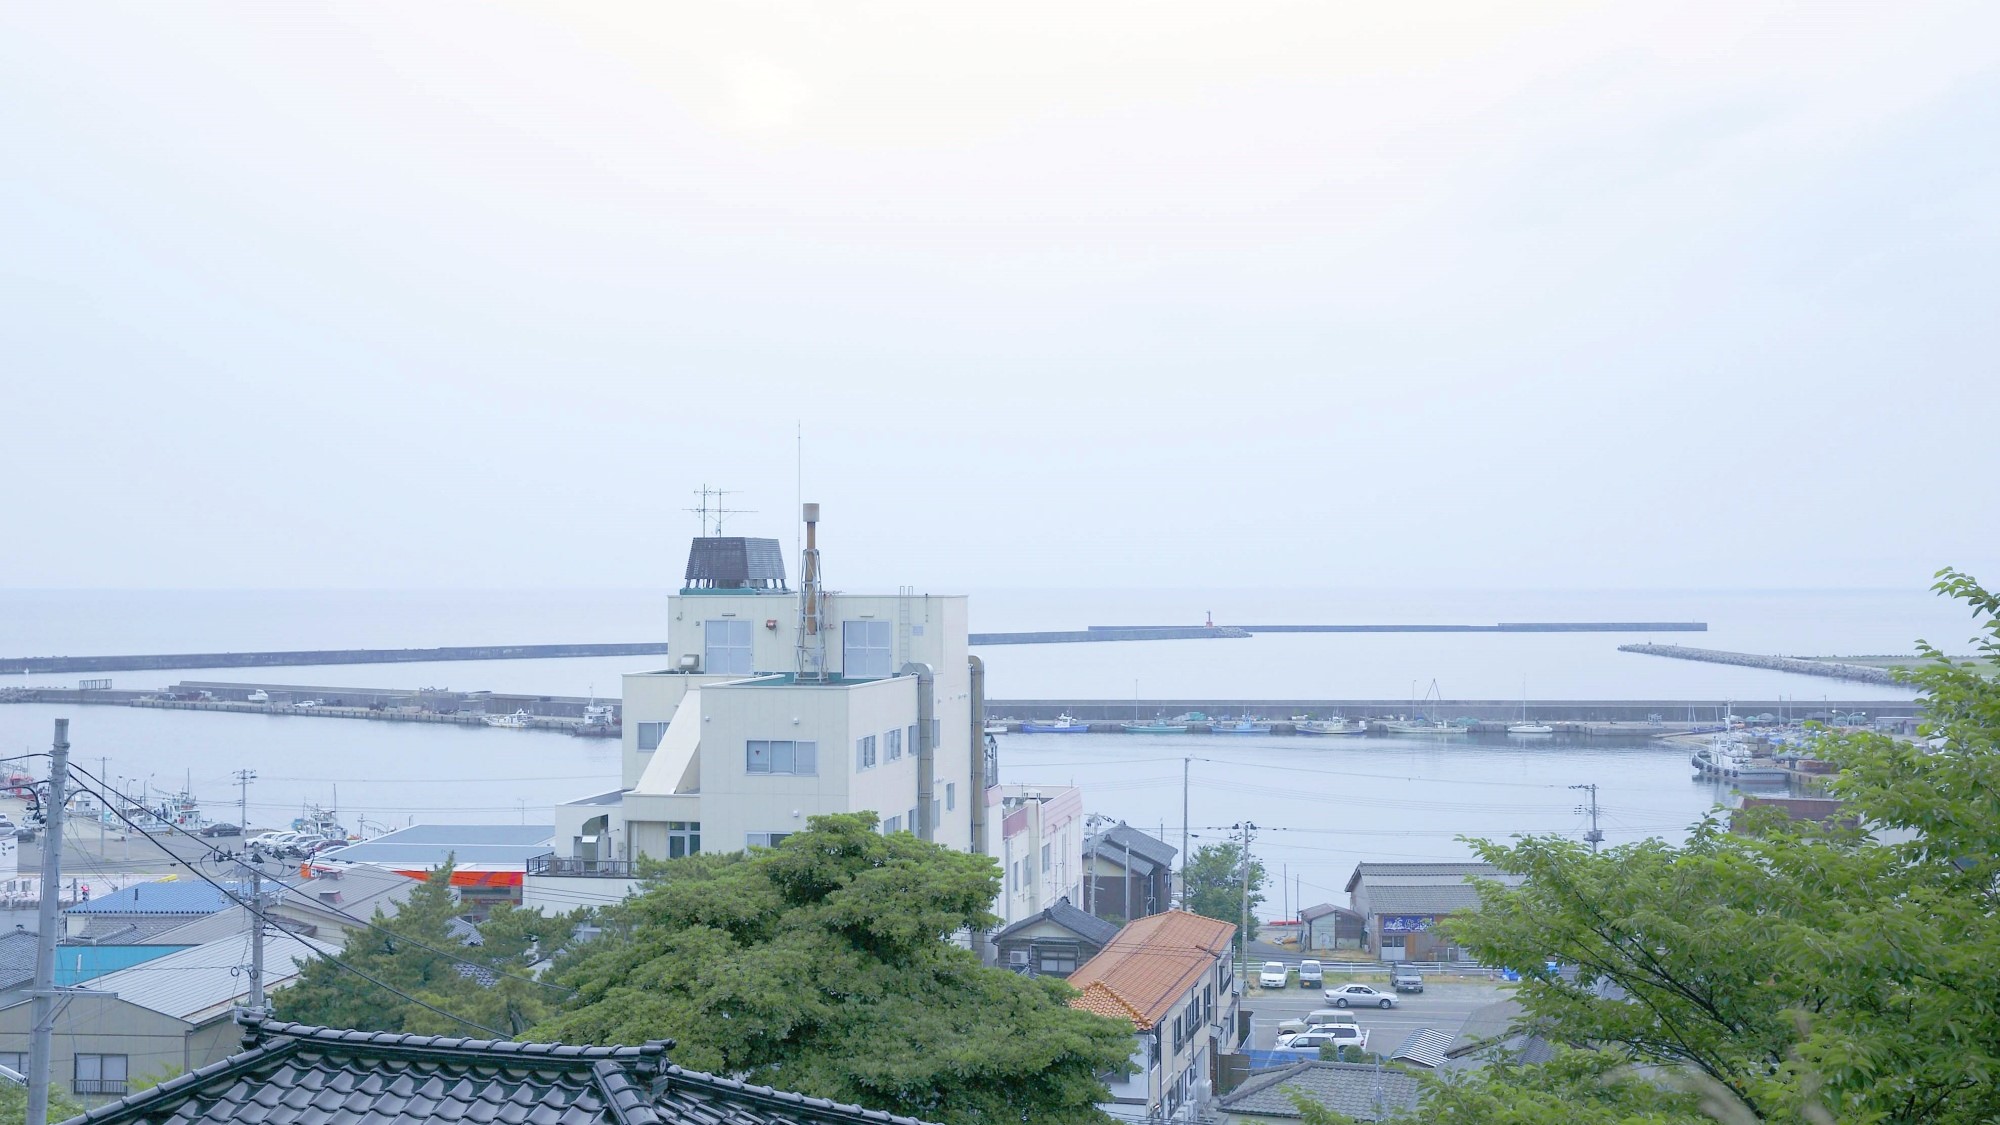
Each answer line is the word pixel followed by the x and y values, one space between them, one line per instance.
pixel 1359 996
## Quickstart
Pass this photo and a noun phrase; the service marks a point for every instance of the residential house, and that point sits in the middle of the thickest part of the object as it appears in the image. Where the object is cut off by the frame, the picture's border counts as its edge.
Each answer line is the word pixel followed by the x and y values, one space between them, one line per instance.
pixel 1127 873
pixel 1327 926
pixel 339 899
pixel 1053 942
pixel 1362 1091
pixel 135 914
pixel 169 1014
pixel 1172 977
pixel 1401 904
pixel 776 706
pixel 1041 847
pixel 291 1074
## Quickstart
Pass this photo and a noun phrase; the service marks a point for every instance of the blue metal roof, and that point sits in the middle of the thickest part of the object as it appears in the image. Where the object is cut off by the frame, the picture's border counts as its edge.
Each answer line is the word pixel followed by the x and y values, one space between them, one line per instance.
pixel 178 896
pixel 78 963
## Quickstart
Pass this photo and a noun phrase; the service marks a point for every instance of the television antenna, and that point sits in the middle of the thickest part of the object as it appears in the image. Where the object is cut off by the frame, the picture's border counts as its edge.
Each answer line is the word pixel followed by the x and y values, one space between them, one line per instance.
pixel 707 512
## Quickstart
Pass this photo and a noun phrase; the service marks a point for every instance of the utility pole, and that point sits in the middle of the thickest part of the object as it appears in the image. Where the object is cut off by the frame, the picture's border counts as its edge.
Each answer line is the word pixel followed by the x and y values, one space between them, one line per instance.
pixel 243 780
pixel 1593 837
pixel 1244 943
pixel 42 1028
pixel 103 776
pixel 1185 761
pixel 256 939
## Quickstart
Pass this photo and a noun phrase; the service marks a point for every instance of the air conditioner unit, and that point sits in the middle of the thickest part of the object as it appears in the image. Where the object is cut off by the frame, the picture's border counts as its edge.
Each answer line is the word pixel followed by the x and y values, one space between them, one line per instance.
pixel 690 662
pixel 1017 957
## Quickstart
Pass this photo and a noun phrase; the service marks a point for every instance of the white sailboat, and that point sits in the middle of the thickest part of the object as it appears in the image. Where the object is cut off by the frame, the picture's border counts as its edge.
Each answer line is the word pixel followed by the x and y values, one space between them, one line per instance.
pixel 1527 725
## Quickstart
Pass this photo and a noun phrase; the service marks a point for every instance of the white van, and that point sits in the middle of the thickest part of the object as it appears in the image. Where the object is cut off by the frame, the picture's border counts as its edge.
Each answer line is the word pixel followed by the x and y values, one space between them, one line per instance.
pixel 1311 975
pixel 1319 1017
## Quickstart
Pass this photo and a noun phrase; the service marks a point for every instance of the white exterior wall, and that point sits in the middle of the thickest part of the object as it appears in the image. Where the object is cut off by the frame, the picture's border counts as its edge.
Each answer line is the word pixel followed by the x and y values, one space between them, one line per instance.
pixel 1031 818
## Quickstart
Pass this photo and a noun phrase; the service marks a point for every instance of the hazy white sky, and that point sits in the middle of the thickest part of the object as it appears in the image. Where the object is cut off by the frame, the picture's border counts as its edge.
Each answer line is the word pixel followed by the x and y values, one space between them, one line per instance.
pixel 1163 294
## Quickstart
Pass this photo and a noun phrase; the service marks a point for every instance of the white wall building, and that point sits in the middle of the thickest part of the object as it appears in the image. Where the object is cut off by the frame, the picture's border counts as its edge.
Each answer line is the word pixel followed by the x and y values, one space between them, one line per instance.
pixel 1041 847
pixel 729 746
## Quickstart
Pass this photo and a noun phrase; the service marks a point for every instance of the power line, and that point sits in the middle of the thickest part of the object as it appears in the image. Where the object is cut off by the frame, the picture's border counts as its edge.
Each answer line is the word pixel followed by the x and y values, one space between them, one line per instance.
pixel 216 853
pixel 337 962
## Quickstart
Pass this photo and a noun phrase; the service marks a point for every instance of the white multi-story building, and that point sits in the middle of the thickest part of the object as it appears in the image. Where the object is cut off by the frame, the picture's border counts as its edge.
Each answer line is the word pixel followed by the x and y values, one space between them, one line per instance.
pixel 1041 847
pixel 774 707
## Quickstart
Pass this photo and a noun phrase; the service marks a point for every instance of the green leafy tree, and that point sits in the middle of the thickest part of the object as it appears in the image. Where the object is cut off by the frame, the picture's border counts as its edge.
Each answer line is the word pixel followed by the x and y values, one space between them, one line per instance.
pixel 415 952
pixel 823 965
pixel 1788 970
pixel 14 1105
pixel 1215 882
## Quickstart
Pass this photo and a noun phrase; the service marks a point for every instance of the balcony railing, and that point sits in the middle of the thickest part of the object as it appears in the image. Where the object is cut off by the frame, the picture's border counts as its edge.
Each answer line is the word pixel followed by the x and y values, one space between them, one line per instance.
pixel 573 867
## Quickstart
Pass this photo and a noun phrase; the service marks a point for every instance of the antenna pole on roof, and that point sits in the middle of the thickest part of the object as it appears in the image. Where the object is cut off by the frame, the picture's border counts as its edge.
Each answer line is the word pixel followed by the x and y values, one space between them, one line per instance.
pixel 42 1029
pixel 704 512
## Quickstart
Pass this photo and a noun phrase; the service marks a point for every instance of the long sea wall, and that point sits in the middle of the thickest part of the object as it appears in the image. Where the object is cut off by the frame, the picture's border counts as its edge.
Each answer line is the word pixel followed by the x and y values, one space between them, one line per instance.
pixel 1828 669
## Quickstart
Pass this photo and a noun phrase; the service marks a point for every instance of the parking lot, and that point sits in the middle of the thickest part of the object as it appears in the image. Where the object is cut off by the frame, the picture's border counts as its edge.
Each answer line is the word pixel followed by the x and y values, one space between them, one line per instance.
pixel 1441 1006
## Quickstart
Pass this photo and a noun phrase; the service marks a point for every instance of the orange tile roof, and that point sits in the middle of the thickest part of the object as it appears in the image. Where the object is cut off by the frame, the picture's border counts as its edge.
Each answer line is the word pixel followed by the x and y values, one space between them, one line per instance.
pixel 1150 966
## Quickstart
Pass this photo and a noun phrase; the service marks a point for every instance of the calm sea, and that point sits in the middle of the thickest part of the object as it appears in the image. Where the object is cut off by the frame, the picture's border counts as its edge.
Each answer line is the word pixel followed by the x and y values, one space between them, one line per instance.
pixel 1321 807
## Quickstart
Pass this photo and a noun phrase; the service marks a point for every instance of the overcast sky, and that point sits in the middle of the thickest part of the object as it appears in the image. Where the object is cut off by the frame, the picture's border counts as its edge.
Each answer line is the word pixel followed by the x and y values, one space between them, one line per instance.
pixel 1470 295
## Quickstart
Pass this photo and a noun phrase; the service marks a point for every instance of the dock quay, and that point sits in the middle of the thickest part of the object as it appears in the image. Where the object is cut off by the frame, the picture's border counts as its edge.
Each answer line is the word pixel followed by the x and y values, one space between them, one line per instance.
pixel 1830 669
pixel 1097 633
pixel 563 713
pixel 1634 718
pixel 31 665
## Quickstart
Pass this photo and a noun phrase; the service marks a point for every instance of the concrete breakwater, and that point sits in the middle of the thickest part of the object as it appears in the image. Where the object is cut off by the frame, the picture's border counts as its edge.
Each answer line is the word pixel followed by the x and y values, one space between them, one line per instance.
pixel 1829 669
pixel 1152 632
pixel 25 665
pixel 1664 715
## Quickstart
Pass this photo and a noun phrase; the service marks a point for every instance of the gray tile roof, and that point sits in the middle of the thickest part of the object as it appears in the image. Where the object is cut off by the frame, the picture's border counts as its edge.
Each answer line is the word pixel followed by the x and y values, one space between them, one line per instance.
pixel 430 845
pixel 1390 872
pixel 17 959
pixel 1501 1027
pixel 298 1075
pixel 1424 1047
pixel 1363 1091
pixel 1089 927
pixel 1422 900
pixel 1113 842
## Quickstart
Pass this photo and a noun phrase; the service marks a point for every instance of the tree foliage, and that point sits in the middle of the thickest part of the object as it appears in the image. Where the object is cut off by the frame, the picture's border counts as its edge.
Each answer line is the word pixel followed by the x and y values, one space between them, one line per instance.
pixel 1215 882
pixel 14 1104
pixel 1573 1088
pixel 416 952
pixel 1793 971
pixel 822 965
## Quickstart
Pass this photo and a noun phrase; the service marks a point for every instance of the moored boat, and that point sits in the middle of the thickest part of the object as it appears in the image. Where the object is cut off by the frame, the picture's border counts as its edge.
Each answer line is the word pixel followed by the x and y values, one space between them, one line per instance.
pixel 1161 725
pixel 993 727
pixel 1062 724
pixel 1331 726
pixel 1245 725
pixel 516 721
pixel 1422 726
pixel 1530 728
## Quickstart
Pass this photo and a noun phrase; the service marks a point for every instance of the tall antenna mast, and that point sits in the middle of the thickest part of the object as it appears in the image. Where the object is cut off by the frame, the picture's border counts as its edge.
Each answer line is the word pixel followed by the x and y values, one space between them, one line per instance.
pixel 810 665
pixel 705 513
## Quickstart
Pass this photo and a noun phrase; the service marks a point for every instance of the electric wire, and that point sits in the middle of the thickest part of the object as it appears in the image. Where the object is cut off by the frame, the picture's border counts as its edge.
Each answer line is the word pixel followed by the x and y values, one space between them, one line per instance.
pixel 218 854
pixel 281 928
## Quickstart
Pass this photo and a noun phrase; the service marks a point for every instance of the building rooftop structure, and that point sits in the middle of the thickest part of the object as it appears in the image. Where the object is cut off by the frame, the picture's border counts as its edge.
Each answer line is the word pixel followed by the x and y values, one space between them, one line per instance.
pixel 292 1074
pixel 1149 966
pixel 1363 1091
pixel 481 855
pixel 203 981
pixel 1147 853
pixel 17 958
pixel 1089 927
pixel 167 896
pixel 735 564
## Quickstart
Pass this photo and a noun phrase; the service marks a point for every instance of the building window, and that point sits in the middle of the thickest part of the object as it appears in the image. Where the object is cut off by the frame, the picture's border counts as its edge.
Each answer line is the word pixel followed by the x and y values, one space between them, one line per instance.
pixel 893 824
pixel 866 650
pixel 1045 857
pixel 937 813
pixel 683 838
pixel 912 740
pixel 99 1074
pixel 892 745
pixel 726 647
pixel 766 839
pixel 771 756
pixel 950 795
pixel 650 735
pixel 1056 958
pixel 864 753
pixel 937 731
pixel 913 820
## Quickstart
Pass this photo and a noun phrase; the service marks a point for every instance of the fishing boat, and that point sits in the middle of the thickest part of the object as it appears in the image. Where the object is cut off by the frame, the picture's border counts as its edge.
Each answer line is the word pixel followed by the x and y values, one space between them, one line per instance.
pixel 1160 725
pixel 258 696
pixel 994 726
pixel 1064 723
pixel 1424 720
pixel 1331 726
pixel 1246 725
pixel 1527 725
pixel 516 721
pixel 1762 775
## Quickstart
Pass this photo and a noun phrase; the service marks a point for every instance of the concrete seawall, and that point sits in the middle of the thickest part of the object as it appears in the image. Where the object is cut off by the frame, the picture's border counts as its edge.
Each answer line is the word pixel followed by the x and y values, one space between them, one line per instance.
pixel 26 665
pixel 1673 713
pixel 1828 669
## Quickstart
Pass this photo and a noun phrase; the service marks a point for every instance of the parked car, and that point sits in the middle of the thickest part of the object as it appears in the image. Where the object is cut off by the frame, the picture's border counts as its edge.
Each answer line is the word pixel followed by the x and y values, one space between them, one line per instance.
pixel 1273 975
pixel 301 846
pixel 221 829
pixel 1319 1017
pixel 1359 996
pixel 1405 978
pixel 1311 974
pixel 270 843
pixel 1307 1044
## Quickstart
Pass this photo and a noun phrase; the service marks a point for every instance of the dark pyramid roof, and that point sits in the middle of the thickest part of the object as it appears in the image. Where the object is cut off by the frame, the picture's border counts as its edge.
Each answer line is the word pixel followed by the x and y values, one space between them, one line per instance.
pixel 1089 927
pixel 293 1074
pixel 1117 840
pixel 735 563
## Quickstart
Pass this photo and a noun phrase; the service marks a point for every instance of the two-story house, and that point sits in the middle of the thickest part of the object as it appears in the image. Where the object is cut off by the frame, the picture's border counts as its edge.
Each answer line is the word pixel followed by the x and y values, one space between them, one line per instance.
pixel 1172 976
pixel 774 706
